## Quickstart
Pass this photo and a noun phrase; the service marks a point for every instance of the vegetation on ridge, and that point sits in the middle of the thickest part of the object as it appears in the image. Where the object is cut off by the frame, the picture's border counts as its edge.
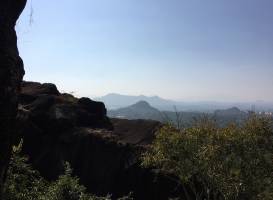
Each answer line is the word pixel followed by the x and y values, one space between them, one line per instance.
pixel 235 162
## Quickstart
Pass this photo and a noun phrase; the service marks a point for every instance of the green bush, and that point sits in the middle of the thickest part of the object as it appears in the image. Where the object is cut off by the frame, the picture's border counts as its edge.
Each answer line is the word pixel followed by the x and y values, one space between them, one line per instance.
pixel 68 188
pixel 25 183
pixel 235 162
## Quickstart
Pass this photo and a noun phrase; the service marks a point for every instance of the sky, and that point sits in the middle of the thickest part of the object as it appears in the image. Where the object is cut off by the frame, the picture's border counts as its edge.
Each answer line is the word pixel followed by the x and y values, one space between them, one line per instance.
pixel 191 50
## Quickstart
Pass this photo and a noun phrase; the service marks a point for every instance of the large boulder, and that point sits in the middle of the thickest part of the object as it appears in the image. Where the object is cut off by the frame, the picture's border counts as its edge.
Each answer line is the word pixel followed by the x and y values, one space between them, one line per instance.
pixel 32 90
pixel 92 106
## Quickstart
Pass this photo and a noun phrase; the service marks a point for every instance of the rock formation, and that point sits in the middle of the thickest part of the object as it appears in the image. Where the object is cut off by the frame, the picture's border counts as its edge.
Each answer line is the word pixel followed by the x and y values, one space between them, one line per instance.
pixel 104 154
pixel 11 73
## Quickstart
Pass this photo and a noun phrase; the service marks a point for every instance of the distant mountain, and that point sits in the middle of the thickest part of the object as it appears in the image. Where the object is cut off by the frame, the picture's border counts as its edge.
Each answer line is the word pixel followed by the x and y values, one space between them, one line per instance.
pixel 139 110
pixel 234 111
pixel 230 115
pixel 115 101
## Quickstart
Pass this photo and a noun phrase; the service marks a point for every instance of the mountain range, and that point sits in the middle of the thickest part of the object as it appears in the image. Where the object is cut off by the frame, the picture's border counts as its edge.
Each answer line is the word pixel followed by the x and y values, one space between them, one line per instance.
pixel 143 110
pixel 115 101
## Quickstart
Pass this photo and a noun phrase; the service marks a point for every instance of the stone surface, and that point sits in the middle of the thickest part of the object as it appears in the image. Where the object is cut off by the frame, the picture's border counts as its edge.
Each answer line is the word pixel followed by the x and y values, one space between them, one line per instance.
pixel 136 132
pixel 11 73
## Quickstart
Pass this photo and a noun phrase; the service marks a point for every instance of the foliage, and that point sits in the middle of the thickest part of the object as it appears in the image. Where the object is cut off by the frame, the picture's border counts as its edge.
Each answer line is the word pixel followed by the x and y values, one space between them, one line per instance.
pixel 68 188
pixel 25 183
pixel 235 162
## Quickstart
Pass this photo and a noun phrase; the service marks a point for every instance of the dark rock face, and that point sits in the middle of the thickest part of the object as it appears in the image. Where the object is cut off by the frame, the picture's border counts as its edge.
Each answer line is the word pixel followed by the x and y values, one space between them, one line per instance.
pixel 55 112
pixel 104 155
pixel 11 73
pixel 136 132
pixel 92 106
pixel 34 88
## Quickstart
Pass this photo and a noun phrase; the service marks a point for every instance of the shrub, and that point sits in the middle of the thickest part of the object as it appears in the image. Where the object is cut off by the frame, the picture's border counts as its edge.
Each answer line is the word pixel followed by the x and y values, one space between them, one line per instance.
pixel 67 187
pixel 25 183
pixel 235 162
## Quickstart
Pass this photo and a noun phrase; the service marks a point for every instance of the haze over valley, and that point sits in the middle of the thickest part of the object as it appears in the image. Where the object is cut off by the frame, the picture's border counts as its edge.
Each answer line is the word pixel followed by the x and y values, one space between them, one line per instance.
pixel 114 101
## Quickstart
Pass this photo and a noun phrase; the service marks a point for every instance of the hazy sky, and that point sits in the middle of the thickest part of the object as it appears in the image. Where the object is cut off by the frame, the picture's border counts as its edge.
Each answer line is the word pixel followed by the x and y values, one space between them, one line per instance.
pixel 178 49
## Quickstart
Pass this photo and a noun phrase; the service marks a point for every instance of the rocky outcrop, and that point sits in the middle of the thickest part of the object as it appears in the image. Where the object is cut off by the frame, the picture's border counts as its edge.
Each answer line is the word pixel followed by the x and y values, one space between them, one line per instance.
pixel 11 73
pixel 104 154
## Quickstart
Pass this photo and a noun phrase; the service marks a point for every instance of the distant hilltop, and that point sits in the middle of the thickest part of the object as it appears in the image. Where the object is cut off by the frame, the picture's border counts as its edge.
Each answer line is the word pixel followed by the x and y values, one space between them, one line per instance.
pixel 139 110
pixel 116 101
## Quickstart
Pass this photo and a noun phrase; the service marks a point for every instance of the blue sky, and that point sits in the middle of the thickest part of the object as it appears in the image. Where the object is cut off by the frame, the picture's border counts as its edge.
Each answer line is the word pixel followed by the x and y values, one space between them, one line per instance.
pixel 219 50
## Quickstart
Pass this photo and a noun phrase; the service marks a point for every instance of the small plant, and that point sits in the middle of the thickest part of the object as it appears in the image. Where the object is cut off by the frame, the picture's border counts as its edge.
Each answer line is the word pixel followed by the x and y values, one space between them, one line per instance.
pixel 23 182
pixel 67 187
